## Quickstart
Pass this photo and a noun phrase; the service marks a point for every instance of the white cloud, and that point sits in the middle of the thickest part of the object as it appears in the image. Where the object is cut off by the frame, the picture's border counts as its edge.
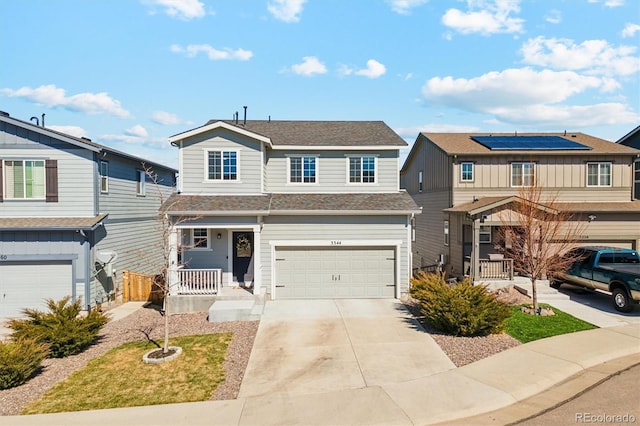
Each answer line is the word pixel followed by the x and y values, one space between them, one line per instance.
pixel 614 3
pixel 137 131
pixel 593 56
pixel 76 131
pixel 485 17
pixel 212 53
pixel 553 17
pixel 630 30
pixel 134 139
pixel 286 10
pixel 52 96
pixel 524 96
pixel 403 7
pixel 310 65
pixel 165 118
pixel 374 69
pixel 181 9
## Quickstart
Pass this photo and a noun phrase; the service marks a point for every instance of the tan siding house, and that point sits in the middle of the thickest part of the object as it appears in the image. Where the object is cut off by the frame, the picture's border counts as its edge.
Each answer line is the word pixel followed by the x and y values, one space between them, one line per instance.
pixel 461 180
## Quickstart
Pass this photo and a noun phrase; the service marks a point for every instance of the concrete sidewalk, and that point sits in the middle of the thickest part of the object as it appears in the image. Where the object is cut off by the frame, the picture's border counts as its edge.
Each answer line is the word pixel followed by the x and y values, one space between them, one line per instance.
pixel 504 388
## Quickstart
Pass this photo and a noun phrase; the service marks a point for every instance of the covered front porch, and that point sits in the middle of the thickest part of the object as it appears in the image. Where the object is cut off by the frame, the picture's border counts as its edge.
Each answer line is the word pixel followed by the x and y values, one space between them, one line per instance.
pixel 207 258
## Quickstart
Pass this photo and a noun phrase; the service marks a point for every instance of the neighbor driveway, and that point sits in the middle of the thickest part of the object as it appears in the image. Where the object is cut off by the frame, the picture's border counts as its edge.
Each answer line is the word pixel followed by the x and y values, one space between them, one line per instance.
pixel 313 346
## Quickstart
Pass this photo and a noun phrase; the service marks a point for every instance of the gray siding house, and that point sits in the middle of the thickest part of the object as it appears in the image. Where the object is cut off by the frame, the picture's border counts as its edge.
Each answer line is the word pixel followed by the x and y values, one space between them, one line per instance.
pixel 291 209
pixel 632 139
pixel 73 215
pixel 464 181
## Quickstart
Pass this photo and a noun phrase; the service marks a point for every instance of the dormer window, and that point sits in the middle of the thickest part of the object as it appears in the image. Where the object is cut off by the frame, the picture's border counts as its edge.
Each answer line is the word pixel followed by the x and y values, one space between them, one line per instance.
pixel 302 169
pixel 222 165
pixel 362 169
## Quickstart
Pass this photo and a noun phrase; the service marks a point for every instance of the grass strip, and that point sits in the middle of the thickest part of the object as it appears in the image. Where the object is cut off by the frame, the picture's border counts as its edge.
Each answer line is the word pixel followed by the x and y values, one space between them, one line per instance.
pixel 527 328
pixel 119 378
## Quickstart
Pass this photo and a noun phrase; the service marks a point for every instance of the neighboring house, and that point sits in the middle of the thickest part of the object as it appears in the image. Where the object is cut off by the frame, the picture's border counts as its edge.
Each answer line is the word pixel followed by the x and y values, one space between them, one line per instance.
pixel 463 180
pixel 291 209
pixel 632 139
pixel 73 215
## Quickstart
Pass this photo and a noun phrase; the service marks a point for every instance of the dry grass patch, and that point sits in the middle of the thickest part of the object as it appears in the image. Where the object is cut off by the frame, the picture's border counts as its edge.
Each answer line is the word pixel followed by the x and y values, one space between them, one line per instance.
pixel 119 378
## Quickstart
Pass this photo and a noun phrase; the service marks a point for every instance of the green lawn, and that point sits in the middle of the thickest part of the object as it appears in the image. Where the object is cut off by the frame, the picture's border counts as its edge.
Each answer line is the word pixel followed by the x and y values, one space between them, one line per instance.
pixel 526 328
pixel 119 378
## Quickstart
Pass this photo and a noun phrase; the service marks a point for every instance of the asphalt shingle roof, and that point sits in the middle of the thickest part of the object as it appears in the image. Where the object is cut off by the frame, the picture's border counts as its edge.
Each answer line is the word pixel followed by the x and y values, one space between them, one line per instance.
pixel 322 133
pixel 59 223
pixel 399 202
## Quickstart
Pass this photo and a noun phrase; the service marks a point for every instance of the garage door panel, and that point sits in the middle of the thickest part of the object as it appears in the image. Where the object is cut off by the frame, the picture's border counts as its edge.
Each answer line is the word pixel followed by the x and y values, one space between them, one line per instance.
pixel 330 272
pixel 29 284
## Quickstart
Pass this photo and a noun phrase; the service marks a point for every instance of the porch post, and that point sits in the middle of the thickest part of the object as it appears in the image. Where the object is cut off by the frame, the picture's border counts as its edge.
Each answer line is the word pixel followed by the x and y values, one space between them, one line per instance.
pixel 173 259
pixel 257 263
pixel 475 251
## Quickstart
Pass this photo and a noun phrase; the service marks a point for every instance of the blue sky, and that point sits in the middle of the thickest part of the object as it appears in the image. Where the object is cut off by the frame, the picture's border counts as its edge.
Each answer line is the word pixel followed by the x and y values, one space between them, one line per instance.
pixel 130 73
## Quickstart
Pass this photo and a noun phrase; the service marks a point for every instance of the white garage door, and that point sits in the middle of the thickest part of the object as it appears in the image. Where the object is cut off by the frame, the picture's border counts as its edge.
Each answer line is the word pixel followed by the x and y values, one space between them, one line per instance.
pixel 29 284
pixel 331 272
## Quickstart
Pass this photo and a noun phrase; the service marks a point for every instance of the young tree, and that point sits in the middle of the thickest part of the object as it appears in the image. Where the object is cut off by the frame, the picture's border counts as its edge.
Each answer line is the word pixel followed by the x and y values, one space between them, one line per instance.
pixel 538 234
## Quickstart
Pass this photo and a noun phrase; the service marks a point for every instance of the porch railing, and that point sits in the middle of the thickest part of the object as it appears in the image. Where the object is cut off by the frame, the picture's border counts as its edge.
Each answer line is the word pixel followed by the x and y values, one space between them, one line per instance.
pixel 199 281
pixel 496 269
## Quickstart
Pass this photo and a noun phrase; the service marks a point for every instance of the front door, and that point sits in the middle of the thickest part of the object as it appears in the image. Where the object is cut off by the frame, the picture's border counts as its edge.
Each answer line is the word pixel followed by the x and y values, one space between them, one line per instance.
pixel 243 258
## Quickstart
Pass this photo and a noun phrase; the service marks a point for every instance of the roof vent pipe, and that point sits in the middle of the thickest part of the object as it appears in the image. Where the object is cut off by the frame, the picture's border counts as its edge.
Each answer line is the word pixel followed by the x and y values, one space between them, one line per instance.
pixel 235 117
pixel 37 120
pixel 43 119
pixel 245 116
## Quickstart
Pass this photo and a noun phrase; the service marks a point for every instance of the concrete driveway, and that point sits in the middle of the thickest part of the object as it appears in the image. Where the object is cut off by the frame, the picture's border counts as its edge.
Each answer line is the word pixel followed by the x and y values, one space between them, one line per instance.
pixel 313 346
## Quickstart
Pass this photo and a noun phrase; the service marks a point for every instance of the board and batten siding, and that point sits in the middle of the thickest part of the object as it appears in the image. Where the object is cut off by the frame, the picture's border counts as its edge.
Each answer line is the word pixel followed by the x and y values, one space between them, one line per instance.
pixel 75 174
pixel 562 176
pixel 332 172
pixel 336 228
pixel 429 243
pixel 434 164
pixel 193 167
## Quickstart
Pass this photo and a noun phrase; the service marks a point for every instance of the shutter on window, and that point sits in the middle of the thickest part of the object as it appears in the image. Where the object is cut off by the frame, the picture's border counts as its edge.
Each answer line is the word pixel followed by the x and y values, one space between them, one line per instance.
pixel 51 168
pixel 1 184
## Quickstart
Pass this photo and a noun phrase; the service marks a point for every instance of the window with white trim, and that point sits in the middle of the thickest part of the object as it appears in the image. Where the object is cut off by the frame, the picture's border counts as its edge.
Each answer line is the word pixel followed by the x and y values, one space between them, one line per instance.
pixel 466 172
pixel 222 165
pixel 24 179
pixel 485 234
pixel 141 184
pixel 446 232
pixel 599 174
pixel 362 169
pixel 522 174
pixel 200 238
pixel 302 169
pixel 104 177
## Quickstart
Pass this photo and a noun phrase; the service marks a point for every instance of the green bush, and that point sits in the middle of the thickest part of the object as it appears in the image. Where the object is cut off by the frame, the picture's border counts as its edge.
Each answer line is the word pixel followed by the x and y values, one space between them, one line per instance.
pixel 19 360
pixel 63 329
pixel 461 309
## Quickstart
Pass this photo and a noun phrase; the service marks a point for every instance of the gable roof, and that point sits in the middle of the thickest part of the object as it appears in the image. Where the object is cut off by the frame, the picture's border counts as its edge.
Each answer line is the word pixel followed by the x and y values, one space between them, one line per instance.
pixel 463 144
pixel 84 143
pixel 292 204
pixel 631 139
pixel 484 204
pixel 308 134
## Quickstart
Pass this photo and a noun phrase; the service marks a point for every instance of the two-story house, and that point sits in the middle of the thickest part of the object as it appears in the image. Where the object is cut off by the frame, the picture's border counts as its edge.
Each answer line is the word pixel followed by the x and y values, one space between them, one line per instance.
pixel 462 181
pixel 632 139
pixel 291 209
pixel 73 214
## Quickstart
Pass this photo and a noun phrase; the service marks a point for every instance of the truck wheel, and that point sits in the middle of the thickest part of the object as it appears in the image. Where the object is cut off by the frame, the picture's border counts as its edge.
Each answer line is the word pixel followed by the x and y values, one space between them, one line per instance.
pixel 621 300
pixel 555 284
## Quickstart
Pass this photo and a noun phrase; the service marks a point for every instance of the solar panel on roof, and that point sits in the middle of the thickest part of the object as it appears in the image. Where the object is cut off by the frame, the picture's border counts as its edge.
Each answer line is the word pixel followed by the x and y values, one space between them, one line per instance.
pixel 528 143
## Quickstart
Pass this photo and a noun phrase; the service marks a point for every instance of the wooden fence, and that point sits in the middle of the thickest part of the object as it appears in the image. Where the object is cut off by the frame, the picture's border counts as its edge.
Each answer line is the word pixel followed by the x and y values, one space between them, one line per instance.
pixel 140 288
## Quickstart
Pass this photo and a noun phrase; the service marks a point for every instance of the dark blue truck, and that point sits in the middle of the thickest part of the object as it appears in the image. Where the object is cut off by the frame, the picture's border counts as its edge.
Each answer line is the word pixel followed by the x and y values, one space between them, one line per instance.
pixel 611 269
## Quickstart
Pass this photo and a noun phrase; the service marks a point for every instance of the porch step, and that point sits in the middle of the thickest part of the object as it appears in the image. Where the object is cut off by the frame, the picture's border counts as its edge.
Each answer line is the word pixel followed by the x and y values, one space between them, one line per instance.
pixel 236 309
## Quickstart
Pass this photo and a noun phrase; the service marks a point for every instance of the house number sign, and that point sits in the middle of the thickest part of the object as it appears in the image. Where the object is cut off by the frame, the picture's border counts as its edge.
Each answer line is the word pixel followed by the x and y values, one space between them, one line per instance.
pixel 336 243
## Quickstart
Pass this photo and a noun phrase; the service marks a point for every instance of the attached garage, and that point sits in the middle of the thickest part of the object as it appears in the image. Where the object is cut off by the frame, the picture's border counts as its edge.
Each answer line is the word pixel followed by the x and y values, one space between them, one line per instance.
pixel 27 284
pixel 335 272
